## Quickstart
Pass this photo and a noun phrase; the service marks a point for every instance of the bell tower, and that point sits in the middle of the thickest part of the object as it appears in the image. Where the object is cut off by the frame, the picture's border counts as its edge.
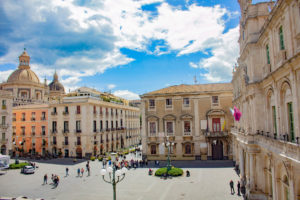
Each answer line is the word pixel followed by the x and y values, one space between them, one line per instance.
pixel 24 60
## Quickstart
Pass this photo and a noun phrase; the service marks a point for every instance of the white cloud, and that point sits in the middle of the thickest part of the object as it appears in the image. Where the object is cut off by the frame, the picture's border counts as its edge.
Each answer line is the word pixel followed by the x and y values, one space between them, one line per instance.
pixel 219 66
pixel 111 86
pixel 126 94
pixel 4 75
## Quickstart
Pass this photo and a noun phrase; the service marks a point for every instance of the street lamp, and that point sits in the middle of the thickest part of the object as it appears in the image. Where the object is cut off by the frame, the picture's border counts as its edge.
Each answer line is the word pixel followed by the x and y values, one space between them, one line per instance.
pixel 112 172
pixel 168 144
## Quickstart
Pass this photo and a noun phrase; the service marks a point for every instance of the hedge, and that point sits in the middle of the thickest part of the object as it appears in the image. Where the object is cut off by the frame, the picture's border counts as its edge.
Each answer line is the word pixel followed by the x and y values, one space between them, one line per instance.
pixel 93 158
pixel 18 166
pixel 173 171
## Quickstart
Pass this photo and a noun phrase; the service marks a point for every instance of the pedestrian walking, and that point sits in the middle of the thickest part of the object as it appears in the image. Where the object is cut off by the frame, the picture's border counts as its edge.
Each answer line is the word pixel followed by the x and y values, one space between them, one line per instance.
pixel 89 171
pixel 45 179
pixel 231 187
pixel 239 188
pixel 78 172
pixel 67 171
pixel 82 171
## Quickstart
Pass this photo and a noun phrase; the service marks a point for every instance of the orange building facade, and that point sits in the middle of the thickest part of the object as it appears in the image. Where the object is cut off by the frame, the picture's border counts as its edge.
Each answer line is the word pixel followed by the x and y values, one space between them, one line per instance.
pixel 30 130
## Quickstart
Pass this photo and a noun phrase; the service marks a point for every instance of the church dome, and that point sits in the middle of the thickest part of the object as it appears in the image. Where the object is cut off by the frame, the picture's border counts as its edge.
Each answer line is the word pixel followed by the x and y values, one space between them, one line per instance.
pixel 23 73
pixel 55 85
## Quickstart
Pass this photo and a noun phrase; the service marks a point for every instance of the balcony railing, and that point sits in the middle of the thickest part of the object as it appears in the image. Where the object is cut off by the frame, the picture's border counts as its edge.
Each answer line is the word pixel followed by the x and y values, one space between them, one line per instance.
pixel 53 113
pixel 187 133
pixel 108 129
pixel 65 143
pixel 53 131
pixel 216 134
pixel 23 119
pixel 77 131
pixel 65 112
pixel 32 118
pixel 53 143
pixel 43 118
pixel 78 143
pixel 170 133
pixel 4 126
pixel 3 107
pixel 77 112
pixel 4 141
pixel 66 131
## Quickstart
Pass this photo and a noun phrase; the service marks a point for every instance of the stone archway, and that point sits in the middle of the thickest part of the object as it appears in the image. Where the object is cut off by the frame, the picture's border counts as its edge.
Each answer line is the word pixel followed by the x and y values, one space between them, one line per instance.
pixel 217 150
pixel 78 152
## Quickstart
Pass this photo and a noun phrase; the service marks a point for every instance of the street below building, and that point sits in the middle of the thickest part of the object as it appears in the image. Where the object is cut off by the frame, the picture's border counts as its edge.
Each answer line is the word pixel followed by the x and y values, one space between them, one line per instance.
pixel 205 183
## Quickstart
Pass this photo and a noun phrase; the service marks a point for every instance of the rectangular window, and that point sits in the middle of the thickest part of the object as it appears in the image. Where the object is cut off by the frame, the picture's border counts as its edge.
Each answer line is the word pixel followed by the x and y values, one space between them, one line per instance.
pixel 78 141
pixel 112 124
pixel 3 104
pixel 186 102
pixel 169 103
pixel 94 110
pixel 151 104
pixel 281 38
pixel 33 116
pixel 153 149
pixel 33 130
pixel 66 111
pixel 101 124
pixel 100 110
pixel 95 126
pixel 152 128
pixel 78 126
pixel 23 116
pixel 54 126
pixel 3 120
pixel 66 140
pixel 291 121
pixel 170 127
pixel 43 130
pixel 66 126
pixel 274 118
pixel 106 124
pixel 77 109
pixel 216 124
pixel 54 110
pixel 116 124
pixel 121 122
pixel 215 100
pixel 268 54
pixel 43 116
pixel 23 130
pixel 187 126
pixel 3 136
pixel 14 117
pixel 54 139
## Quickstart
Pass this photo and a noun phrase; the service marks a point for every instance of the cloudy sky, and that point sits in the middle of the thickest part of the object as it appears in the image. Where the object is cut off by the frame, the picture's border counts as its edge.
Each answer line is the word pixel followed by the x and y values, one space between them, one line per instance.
pixel 127 47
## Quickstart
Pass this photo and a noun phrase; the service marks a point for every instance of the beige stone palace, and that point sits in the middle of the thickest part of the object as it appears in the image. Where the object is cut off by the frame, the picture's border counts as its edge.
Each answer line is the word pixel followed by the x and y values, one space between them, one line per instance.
pixel 266 90
pixel 195 118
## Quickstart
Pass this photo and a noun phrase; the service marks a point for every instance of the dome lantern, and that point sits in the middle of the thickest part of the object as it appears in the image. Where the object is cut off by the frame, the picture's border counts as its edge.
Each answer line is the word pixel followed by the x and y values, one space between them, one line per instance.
pixel 24 60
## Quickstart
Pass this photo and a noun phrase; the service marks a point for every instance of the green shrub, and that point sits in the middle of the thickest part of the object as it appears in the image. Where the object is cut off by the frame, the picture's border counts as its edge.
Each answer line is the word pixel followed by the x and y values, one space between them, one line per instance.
pixel 18 166
pixel 93 158
pixel 125 153
pixel 173 171
pixel 100 158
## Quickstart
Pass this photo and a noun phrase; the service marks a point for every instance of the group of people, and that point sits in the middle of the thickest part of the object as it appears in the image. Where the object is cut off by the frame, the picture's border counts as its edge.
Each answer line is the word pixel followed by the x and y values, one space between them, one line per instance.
pixel 54 178
pixel 240 189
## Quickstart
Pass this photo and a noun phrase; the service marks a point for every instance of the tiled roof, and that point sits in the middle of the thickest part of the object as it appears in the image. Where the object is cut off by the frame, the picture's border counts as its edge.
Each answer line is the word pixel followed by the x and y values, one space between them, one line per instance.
pixel 179 89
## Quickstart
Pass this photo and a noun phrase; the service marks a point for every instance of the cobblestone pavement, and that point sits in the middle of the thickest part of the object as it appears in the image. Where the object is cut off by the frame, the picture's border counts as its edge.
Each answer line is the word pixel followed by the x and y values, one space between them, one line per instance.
pixel 204 183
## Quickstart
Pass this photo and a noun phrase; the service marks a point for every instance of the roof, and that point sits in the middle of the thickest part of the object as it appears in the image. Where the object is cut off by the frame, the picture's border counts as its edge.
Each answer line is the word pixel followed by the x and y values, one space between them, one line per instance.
pixel 23 75
pixel 201 88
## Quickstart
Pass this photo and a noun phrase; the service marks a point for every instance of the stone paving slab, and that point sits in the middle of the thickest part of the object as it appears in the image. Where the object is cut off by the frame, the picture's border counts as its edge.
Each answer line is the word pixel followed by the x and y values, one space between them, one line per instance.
pixel 204 183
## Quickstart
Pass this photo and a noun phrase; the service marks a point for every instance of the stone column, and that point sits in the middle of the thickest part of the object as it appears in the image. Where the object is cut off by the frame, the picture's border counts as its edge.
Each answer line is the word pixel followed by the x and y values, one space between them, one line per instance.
pixel 196 114
pixel 295 103
pixel 252 171
pixel 241 163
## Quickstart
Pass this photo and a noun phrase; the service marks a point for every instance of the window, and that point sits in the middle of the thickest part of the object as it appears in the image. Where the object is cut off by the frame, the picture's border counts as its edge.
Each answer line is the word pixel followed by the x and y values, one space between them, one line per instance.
pixel 101 124
pixel 23 116
pixel 188 149
pixel 121 121
pixel 33 130
pixel 54 126
pixel 95 126
pixel 23 130
pixel 43 116
pixel 152 128
pixel 33 116
pixel 153 149
pixel 186 102
pixel 77 109
pixel 268 54
pixel 43 130
pixel 274 118
pixel 112 124
pixel 215 100
pixel 54 110
pixel 66 110
pixel 3 120
pixel 3 136
pixel 216 124
pixel 14 117
pixel 100 110
pixel 187 126
pixel 78 141
pixel 78 127
pixel 3 104
pixel 116 124
pixel 170 127
pixel 151 104
pixel 66 126
pixel 54 139
pixel 169 103
pixel 281 38
pixel 94 110
pixel 291 120
pixel 66 140
pixel 106 124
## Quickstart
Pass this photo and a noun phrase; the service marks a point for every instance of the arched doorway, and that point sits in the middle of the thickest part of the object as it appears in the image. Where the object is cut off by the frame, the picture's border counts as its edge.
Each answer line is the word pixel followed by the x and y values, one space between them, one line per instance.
pixel 101 149
pixel 95 151
pixel 3 149
pixel 78 152
pixel 217 150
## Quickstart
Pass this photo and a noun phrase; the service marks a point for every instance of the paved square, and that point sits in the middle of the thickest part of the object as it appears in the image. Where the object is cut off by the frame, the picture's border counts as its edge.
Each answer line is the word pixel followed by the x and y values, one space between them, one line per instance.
pixel 204 183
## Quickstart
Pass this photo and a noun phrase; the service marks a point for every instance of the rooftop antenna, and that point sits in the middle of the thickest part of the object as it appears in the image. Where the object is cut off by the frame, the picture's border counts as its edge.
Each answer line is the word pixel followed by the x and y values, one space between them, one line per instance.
pixel 195 80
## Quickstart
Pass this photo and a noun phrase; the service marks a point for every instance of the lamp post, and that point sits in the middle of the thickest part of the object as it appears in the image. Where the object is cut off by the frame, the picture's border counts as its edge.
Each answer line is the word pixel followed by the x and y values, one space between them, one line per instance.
pixel 168 144
pixel 115 176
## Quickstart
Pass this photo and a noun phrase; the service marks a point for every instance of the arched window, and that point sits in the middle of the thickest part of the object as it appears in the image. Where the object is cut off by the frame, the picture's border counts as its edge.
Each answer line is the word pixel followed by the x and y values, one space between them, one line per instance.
pixel 153 149
pixel 188 149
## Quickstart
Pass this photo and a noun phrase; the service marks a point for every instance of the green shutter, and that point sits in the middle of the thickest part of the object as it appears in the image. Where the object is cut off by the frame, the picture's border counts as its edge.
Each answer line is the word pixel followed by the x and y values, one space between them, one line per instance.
pixel 274 118
pixel 291 120
pixel 268 54
pixel 281 38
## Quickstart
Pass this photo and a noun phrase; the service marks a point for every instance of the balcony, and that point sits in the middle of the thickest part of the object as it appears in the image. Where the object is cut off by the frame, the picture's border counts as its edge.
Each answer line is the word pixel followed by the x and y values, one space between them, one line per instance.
pixel 4 126
pixel 53 143
pixel 77 112
pixel 108 129
pixel 77 131
pixel 170 134
pixel 77 143
pixel 65 113
pixel 53 113
pixel 187 133
pixel 216 134
pixel 66 143
pixel 66 131
pixel 32 118
pixel 23 119
pixel 53 131
pixel 43 118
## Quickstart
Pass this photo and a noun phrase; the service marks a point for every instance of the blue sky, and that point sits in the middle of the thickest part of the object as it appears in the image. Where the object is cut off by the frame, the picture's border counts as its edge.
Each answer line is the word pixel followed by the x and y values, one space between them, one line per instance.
pixel 128 47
